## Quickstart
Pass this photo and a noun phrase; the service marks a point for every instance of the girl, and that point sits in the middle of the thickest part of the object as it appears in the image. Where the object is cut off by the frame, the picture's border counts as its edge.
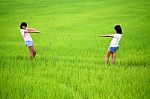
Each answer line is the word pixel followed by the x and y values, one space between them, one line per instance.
pixel 114 45
pixel 25 32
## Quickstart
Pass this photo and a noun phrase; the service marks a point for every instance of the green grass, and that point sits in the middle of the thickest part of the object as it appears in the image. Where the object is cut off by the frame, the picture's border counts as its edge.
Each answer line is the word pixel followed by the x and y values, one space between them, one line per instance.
pixel 70 54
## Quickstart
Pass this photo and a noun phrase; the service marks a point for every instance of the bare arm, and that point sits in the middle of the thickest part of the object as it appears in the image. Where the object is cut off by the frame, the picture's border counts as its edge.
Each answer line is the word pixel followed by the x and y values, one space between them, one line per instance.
pixel 107 35
pixel 29 30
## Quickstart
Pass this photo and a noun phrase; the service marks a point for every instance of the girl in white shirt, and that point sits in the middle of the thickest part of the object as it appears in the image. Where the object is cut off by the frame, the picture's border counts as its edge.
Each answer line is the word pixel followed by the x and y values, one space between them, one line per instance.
pixel 114 45
pixel 25 32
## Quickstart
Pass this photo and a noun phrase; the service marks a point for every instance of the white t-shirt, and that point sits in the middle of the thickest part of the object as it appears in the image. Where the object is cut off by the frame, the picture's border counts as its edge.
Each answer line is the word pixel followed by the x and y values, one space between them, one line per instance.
pixel 26 36
pixel 115 40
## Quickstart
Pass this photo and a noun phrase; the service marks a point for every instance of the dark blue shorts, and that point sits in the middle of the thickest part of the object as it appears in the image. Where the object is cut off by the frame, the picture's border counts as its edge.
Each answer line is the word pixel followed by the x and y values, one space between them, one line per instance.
pixel 113 49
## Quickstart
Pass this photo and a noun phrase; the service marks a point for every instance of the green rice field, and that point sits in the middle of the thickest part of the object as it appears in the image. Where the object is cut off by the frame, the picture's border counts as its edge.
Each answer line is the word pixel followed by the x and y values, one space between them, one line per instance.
pixel 70 53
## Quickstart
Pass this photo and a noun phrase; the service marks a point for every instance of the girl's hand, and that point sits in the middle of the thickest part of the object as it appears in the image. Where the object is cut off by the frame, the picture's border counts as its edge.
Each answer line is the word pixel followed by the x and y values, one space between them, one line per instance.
pixel 37 31
pixel 101 35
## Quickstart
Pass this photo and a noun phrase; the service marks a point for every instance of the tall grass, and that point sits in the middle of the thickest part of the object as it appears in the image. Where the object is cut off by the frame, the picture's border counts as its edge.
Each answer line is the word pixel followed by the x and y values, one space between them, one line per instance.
pixel 70 54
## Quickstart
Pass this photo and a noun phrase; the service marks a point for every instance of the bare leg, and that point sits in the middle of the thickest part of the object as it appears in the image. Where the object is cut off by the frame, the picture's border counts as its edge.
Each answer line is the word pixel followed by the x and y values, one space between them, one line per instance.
pixel 113 58
pixel 32 52
pixel 107 56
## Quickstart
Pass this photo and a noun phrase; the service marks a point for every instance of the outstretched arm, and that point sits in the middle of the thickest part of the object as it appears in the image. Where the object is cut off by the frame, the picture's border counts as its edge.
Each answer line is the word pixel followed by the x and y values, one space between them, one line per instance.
pixel 107 35
pixel 29 30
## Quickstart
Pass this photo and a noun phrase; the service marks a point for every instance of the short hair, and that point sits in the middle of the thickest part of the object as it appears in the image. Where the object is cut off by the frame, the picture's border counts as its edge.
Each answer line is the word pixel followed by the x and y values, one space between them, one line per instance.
pixel 23 24
pixel 118 29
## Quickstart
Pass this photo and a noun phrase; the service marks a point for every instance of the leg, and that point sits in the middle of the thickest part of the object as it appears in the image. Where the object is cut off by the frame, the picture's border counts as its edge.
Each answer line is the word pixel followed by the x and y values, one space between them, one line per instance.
pixel 107 56
pixel 32 52
pixel 113 57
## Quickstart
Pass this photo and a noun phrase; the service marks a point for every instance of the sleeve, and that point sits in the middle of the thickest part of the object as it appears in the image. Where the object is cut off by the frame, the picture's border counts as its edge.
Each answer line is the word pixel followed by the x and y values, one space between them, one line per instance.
pixel 115 35
pixel 22 32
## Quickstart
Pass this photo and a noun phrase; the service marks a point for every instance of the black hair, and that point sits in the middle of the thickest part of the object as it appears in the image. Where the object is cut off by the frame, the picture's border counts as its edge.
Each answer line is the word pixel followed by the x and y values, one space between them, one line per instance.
pixel 23 24
pixel 118 29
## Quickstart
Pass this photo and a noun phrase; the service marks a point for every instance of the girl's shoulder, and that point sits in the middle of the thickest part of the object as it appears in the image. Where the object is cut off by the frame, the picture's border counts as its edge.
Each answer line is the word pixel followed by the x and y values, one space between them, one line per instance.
pixel 21 29
pixel 117 35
